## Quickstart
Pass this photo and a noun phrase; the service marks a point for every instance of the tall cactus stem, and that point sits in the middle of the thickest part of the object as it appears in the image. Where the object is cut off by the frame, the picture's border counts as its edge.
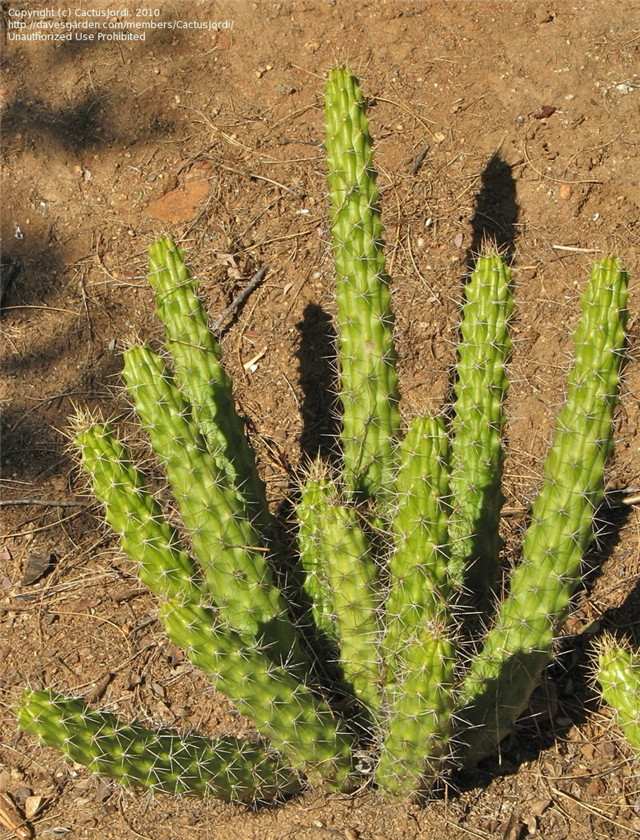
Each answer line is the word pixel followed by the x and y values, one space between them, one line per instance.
pixel 502 677
pixel 200 375
pixel 337 559
pixel 224 540
pixel 476 429
pixel 419 647
pixel 366 354
pixel 145 535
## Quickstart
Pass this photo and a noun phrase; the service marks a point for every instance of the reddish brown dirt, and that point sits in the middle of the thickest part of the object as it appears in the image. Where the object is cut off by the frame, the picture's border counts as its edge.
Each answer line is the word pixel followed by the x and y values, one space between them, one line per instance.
pixel 212 137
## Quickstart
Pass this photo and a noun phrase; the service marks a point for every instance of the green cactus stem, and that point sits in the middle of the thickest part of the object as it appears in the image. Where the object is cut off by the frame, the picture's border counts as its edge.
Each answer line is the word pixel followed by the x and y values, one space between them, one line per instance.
pixel 419 562
pixel 366 354
pixel 245 673
pixel 341 581
pixel 145 535
pixel 418 646
pixel 501 679
pixel 617 672
pixel 315 492
pixel 477 426
pixel 224 540
pixel 299 725
pixel 162 761
pixel 200 375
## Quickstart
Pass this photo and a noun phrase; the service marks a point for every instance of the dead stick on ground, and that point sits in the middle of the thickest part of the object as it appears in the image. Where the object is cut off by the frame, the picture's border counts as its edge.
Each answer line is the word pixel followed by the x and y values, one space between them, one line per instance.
pixel 44 502
pixel 239 299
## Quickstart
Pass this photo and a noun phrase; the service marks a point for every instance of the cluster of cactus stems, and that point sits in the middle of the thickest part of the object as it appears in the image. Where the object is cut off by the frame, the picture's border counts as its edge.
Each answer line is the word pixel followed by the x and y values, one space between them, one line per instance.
pixel 356 666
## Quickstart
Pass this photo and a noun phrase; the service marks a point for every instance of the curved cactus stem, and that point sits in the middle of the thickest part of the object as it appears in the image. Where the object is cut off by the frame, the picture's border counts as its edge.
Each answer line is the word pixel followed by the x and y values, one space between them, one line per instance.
pixel 477 426
pixel 341 582
pixel 200 375
pixel 224 540
pixel 162 761
pixel 501 679
pixel 617 672
pixel 366 354
pixel 300 725
pixel 418 645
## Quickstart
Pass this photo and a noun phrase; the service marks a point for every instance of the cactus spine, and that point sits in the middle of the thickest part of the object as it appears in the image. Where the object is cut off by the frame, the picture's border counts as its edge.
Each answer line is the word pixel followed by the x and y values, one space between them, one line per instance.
pixel 520 644
pixel 366 354
pixel 386 546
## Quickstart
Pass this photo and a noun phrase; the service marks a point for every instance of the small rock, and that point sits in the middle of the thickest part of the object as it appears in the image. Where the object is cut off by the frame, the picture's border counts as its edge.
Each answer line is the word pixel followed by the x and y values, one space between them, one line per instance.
pixel 565 192
pixel 37 567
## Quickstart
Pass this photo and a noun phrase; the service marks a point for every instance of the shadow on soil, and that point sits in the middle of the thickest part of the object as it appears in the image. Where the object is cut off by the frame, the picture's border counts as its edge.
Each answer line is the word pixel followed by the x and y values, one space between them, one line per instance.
pixel 496 211
pixel 31 447
pixel 319 383
pixel 93 119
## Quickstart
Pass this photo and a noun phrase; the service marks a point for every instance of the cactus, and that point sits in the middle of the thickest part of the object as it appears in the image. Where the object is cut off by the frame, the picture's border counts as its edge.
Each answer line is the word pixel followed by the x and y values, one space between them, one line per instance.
pixel 520 644
pixel 366 353
pixel 617 672
pixel 419 645
pixel 356 667
pixel 337 558
pixel 200 375
pixel 476 429
pixel 225 767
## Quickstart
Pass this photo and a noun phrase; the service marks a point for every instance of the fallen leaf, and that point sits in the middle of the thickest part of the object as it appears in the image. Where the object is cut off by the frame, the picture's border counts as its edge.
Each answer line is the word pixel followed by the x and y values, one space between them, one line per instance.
pixel 545 112
pixel 179 205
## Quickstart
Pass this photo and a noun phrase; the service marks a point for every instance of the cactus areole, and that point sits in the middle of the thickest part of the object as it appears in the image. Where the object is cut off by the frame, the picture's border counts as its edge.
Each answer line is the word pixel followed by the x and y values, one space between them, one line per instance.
pixel 358 668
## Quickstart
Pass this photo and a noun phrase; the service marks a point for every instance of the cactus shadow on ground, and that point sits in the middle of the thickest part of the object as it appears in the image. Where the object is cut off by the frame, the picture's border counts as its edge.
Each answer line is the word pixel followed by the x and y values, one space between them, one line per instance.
pixel 318 379
pixel 496 211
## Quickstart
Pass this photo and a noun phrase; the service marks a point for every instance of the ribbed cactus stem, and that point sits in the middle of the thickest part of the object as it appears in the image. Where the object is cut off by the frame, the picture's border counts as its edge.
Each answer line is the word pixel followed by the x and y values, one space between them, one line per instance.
pixel 419 562
pixel 520 645
pixel 162 761
pixel 133 513
pixel 299 725
pixel 366 354
pixel 419 648
pixel 202 378
pixel 341 581
pixel 316 491
pixel 477 426
pixel 224 540
pixel 617 672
